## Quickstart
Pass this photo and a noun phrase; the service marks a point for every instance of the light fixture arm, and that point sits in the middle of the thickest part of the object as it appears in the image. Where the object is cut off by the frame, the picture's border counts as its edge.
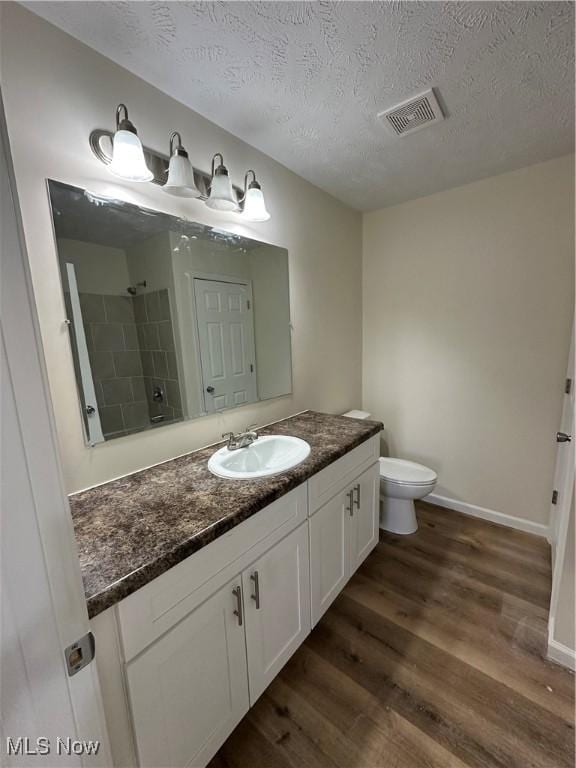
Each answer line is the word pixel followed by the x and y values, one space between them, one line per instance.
pixel 119 109
pixel 221 169
pixel 253 184
pixel 123 123
pixel 179 149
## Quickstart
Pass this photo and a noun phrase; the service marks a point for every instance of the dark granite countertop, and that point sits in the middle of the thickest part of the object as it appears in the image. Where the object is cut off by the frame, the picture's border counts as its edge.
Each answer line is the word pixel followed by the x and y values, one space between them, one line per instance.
pixel 131 530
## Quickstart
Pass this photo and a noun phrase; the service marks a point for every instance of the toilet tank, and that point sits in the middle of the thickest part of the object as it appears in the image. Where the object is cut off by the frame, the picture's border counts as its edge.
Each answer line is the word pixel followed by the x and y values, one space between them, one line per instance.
pixel 357 414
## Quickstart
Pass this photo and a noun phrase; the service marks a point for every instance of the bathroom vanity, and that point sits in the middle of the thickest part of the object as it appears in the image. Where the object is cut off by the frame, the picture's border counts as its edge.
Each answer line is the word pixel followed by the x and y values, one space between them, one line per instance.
pixel 199 584
pixel 201 588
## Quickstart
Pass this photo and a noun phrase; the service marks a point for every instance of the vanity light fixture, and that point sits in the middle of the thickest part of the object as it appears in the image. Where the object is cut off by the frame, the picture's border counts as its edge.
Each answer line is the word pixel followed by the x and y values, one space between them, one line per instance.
pixel 127 154
pixel 254 204
pixel 221 197
pixel 127 159
pixel 180 172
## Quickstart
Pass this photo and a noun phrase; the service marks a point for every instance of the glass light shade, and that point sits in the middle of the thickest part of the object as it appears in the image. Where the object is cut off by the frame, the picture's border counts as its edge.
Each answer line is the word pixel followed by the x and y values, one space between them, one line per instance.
pixel 128 158
pixel 181 178
pixel 254 206
pixel 221 194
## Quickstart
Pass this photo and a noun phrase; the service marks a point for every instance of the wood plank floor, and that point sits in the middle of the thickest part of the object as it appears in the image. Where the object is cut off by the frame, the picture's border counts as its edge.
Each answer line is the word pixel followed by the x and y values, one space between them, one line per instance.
pixel 431 657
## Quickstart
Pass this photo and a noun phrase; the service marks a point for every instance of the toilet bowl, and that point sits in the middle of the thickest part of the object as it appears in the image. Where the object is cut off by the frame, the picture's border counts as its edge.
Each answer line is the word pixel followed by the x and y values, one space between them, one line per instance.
pixel 401 483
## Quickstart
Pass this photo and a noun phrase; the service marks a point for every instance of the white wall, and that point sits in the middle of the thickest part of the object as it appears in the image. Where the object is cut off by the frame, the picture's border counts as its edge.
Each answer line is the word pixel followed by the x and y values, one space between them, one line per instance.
pixel 467 310
pixel 209 257
pixel 271 320
pixel 150 261
pixel 99 268
pixel 57 90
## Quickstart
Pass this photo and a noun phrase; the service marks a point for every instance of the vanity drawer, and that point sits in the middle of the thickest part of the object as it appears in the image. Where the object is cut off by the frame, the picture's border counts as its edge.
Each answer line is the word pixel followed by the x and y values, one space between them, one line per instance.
pixel 146 614
pixel 336 476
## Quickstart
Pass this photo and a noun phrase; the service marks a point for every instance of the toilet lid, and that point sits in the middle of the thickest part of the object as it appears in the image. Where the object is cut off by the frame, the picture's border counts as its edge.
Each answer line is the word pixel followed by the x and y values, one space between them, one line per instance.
pixel 401 471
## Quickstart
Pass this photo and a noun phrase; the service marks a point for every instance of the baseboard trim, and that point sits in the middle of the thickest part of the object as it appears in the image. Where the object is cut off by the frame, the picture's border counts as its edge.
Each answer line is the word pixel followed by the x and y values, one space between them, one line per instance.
pixel 520 523
pixel 561 654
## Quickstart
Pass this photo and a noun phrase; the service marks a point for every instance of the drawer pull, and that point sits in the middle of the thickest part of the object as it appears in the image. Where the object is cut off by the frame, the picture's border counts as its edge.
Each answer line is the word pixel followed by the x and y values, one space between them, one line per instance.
pixel 237 592
pixel 357 489
pixel 350 495
pixel 256 595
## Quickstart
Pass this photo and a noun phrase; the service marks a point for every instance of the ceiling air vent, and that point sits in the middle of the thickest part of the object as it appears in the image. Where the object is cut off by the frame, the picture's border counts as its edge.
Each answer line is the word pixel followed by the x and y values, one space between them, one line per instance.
pixel 413 114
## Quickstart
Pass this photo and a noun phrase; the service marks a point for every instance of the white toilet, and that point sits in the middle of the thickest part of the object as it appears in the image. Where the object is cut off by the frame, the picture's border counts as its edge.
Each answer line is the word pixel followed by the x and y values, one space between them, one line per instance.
pixel 401 482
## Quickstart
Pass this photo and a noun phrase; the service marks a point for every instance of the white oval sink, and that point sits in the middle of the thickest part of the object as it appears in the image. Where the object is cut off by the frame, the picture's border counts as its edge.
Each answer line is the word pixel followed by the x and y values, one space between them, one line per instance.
pixel 268 455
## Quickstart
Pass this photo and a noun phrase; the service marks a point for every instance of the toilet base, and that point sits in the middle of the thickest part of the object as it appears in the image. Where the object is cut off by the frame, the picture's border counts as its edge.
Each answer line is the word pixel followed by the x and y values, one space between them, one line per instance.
pixel 398 515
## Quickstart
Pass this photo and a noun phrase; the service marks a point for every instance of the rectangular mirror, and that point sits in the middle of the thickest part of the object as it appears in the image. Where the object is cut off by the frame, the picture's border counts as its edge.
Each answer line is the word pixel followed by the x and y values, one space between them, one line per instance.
pixel 169 319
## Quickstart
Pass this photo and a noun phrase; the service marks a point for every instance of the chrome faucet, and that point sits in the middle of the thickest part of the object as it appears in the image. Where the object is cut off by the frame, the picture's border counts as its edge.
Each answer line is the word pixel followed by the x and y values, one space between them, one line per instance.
pixel 242 439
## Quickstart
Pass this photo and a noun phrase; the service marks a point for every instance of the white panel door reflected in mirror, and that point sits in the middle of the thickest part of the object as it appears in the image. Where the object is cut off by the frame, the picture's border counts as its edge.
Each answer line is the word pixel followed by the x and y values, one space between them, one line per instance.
pixel 169 319
pixel 225 322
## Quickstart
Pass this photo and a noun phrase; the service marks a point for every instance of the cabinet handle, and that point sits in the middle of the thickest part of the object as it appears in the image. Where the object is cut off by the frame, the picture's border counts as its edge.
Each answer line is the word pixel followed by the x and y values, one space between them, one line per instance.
pixel 357 489
pixel 237 592
pixel 350 495
pixel 256 595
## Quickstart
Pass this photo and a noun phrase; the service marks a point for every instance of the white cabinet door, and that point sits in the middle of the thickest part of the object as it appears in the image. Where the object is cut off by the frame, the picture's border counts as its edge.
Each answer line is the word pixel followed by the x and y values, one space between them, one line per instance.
pixel 364 528
pixel 342 534
pixel 329 552
pixel 190 688
pixel 277 608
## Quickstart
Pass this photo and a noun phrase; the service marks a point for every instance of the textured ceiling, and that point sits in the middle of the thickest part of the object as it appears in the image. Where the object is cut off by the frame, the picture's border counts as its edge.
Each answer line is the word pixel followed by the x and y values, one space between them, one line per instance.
pixel 303 81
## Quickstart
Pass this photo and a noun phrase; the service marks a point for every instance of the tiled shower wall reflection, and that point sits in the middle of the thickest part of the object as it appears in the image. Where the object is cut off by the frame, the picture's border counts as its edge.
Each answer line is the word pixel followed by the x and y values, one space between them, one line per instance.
pixel 156 339
pixel 119 345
